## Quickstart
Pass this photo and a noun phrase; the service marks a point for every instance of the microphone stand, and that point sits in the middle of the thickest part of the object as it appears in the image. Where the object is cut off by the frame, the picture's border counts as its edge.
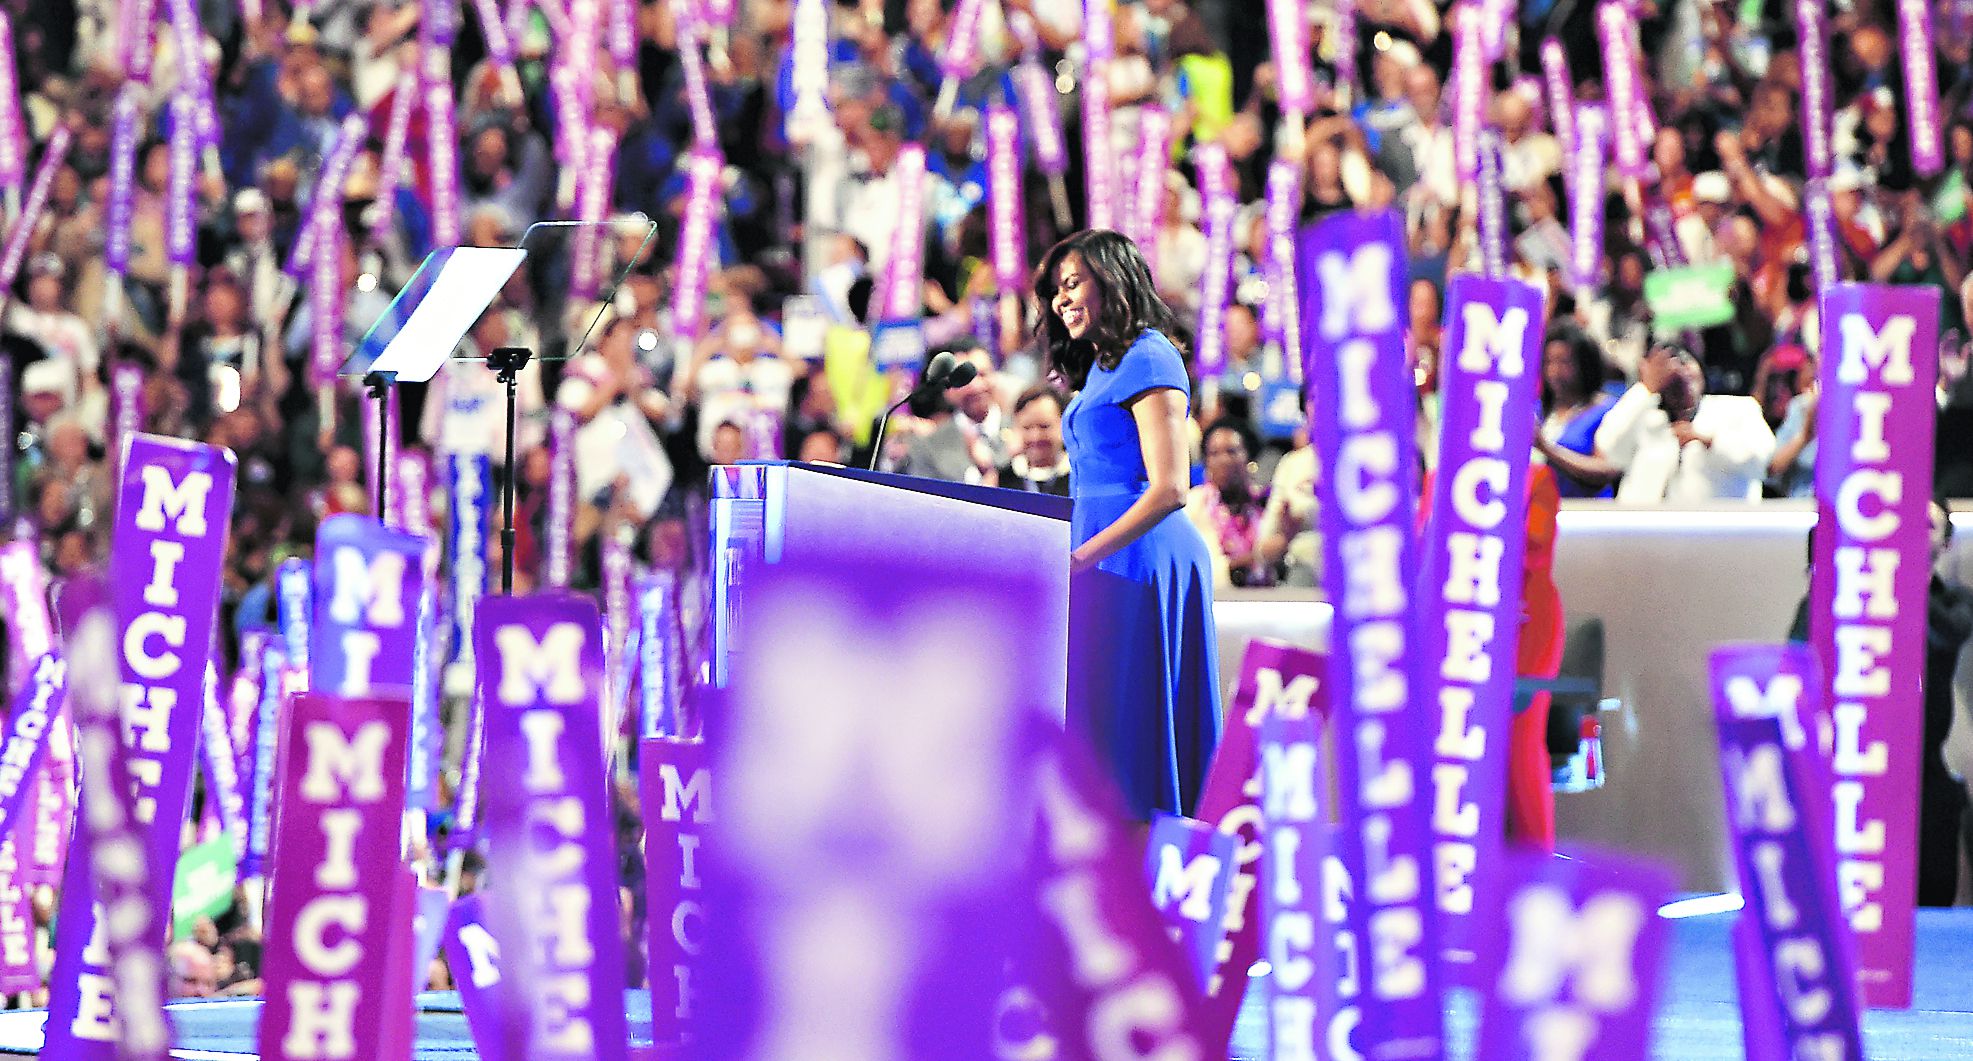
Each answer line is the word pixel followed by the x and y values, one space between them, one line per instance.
pixel 379 384
pixel 877 450
pixel 507 362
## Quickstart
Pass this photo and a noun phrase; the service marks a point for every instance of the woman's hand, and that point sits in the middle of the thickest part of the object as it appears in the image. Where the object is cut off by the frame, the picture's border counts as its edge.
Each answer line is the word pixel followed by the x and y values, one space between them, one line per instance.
pixel 1081 562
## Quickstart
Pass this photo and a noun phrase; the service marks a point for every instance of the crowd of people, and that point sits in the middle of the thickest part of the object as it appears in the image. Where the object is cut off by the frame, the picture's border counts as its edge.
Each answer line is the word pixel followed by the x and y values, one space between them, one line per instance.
pixel 220 349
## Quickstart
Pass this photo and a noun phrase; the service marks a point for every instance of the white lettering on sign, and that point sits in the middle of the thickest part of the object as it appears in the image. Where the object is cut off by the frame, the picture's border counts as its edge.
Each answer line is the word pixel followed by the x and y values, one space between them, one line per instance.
pixel 549 669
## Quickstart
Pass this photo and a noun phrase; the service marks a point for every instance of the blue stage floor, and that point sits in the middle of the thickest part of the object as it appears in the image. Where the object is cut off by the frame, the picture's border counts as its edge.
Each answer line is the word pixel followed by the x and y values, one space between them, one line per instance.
pixel 1699 1020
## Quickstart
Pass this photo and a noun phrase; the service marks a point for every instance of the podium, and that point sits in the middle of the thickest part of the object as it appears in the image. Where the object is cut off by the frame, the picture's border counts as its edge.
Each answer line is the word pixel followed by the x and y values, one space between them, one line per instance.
pixel 769 513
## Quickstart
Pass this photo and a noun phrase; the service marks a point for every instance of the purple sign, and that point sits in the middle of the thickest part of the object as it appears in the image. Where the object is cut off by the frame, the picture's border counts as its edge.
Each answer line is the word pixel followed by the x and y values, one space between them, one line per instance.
pixel 1873 480
pixel 1281 317
pixel 1575 959
pixel 174 501
pixel 427 752
pixel 333 901
pixel 1043 119
pixel 1294 78
pixel 294 609
pixel 1360 414
pixel 37 710
pixel 659 663
pixel 1493 207
pixel 124 118
pixel 593 204
pixel 1099 166
pixel 695 241
pixel 1216 286
pixel 1561 93
pixel 1614 29
pixel 1586 194
pixel 1276 680
pixel 126 408
pixel 327 307
pixel 1099 29
pixel 107 988
pixel 676 792
pixel 901 293
pixel 1469 89
pixel 13 130
pixel 52 156
pixel 474 956
pixel 1824 254
pixel 961 55
pixel 8 451
pixel 368 584
pixel 1921 86
pixel 275 674
pixel 20 969
pixel 1191 867
pixel 698 95
pixel 1776 809
pixel 181 225
pixel 493 30
pixel 1147 198
pixel 1470 589
pixel 24 607
pixel 224 799
pixel 1346 45
pixel 552 844
pixel 1009 240
pixel 1812 51
pixel 558 554
pixel 442 134
pixel 619 619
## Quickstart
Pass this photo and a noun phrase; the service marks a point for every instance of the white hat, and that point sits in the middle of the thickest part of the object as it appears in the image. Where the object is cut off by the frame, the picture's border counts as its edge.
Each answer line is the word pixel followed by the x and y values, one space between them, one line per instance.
pixel 1712 187
pixel 49 376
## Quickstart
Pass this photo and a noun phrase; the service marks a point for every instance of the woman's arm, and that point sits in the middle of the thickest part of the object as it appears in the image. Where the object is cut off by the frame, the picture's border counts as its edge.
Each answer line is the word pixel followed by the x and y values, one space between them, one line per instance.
pixel 1160 415
pixel 1586 468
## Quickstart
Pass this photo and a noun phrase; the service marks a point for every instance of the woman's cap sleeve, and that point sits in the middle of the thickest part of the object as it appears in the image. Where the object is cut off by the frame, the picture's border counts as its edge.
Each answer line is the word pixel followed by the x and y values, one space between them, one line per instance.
pixel 1152 362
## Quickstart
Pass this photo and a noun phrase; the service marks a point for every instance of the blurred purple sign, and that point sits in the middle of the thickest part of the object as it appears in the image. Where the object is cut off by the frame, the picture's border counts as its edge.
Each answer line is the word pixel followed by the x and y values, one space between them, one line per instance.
pixel 676 793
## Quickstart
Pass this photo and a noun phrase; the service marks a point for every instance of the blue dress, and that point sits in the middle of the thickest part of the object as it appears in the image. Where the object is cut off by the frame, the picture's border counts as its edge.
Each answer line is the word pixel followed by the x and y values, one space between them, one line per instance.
pixel 1143 662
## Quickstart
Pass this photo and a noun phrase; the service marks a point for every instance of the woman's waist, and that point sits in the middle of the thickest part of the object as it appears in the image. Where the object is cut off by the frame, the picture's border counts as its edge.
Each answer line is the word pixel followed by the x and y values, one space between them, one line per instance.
pixel 1080 487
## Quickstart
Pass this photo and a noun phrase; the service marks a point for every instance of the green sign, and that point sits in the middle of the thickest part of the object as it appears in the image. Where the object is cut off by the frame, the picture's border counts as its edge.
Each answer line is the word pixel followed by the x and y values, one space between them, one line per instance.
pixel 1696 296
pixel 204 884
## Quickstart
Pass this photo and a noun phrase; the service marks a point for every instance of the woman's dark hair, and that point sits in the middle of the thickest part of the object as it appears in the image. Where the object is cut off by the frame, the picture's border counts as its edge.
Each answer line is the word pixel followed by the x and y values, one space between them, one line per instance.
pixel 1127 305
pixel 1591 370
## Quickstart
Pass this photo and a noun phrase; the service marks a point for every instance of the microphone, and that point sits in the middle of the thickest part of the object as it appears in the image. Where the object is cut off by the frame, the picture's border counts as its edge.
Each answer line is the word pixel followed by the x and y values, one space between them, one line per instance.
pixel 944 373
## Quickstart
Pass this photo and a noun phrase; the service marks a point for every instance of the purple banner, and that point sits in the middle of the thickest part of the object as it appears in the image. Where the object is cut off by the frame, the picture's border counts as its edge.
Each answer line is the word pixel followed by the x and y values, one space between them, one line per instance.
pixel 37 710
pixel 619 620
pixel 1469 89
pixel 1873 480
pixel 1493 208
pixel 1575 958
pixel 1294 78
pixel 593 204
pixel 174 501
pixel 24 607
pixel 107 989
pixel 395 157
pixel 1470 607
pixel 124 133
pixel 1921 85
pixel 468 514
pixel 294 607
pixel 47 831
pixel 333 900
pixel 218 758
pixel 1819 211
pixel 1346 45
pixel 695 241
pixel 558 536
pixel 1147 197
pixel 442 136
pixel 901 292
pixel 961 55
pixel 659 665
pixel 620 29
pixel 1775 803
pixel 1812 52
pixel 1004 200
pixel 425 757
pixel 52 156
pixel 13 128
pixel 194 80
pixel 411 493
pixel 1614 30
pixel 500 48
pixel 1560 89
pixel 20 968
pixel 1216 286
pixel 552 844
pixel 698 95
pixel 8 452
pixel 1275 680
pixel 1098 165
pixel 1190 866
pixel 1099 29
pixel 676 792
pixel 1586 197
pixel 474 957
pixel 1281 318
pixel 276 676
pixel 368 582
pixel 1360 414
pixel 327 306
pixel 1041 114
pixel 325 199
pixel 126 409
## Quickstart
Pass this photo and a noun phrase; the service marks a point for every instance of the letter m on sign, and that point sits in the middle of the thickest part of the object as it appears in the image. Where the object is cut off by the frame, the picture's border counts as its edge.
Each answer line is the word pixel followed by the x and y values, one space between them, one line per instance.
pixel 163 499
pixel 1553 941
pixel 549 669
pixel 1356 291
pixel 336 762
pixel 690 796
pixel 1888 351
pixel 1492 341
pixel 375 583
pixel 1185 885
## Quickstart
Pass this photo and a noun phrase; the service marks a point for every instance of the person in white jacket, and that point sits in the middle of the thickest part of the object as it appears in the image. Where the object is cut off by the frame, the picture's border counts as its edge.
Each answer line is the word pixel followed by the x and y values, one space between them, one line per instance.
pixel 1675 442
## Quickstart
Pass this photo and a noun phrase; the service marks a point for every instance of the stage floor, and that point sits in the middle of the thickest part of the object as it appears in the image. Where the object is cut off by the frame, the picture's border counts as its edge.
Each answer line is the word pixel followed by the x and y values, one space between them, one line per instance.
pixel 1699 1020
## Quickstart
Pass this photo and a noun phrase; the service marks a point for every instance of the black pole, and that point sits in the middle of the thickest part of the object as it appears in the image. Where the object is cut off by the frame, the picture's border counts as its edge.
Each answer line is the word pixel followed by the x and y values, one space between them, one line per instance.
pixel 507 362
pixel 379 384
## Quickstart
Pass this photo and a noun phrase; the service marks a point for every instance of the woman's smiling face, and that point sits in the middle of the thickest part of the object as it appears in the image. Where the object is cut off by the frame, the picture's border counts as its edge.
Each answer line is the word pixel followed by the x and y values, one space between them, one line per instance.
pixel 1075 296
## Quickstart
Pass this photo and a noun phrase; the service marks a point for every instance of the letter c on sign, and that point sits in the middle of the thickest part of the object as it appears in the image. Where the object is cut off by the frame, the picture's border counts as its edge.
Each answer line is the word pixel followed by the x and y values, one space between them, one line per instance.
pixel 350 913
pixel 143 663
pixel 1889 488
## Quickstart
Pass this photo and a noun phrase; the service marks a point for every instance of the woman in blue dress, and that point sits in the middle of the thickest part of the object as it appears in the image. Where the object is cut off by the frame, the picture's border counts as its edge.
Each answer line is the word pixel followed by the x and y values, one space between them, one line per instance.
pixel 1143 669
